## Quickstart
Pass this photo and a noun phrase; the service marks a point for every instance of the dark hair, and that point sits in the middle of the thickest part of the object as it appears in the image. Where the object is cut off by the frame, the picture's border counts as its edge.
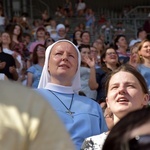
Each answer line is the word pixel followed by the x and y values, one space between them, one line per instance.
pixel 119 135
pixel 84 32
pixel 19 38
pixel 103 55
pixel 133 71
pixel 45 43
pixel 117 39
pixel 140 30
pixel 34 56
pixel 74 34
pixel 83 46
pixel 9 36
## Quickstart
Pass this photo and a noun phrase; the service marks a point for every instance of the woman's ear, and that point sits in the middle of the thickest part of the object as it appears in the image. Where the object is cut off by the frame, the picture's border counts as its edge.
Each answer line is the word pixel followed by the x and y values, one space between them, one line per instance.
pixel 145 100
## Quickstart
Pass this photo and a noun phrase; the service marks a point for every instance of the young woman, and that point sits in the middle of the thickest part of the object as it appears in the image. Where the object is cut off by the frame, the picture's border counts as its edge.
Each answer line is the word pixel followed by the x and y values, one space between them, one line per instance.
pixel 126 91
pixel 109 62
pixel 121 45
pixel 144 60
pixel 34 72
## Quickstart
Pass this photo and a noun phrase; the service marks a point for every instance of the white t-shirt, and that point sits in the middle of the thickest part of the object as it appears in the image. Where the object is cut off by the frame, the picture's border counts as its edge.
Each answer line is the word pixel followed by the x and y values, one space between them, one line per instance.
pixel 94 142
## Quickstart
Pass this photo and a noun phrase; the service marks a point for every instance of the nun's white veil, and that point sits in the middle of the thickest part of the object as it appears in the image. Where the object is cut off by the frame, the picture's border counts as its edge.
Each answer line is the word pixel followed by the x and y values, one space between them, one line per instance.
pixel 45 76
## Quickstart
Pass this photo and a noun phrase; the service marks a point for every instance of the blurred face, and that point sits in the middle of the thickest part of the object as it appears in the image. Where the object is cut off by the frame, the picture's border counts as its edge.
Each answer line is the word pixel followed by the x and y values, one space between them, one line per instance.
pixel 62 32
pixel 5 38
pixel 125 94
pixel 143 35
pixel 111 57
pixel 17 30
pixel 49 41
pixel 122 42
pixel 77 35
pixel 63 63
pixel 41 51
pixel 40 33
pixel 94 53
pixel 85 52
pixel 53 23
pixel 85 38
pixel 145 50
pixel 134 54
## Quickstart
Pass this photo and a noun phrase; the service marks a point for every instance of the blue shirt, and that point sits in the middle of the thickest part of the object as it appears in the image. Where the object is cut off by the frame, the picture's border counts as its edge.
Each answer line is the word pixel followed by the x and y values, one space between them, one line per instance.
pixel 87 118
pixel 145 72
pixel 36 70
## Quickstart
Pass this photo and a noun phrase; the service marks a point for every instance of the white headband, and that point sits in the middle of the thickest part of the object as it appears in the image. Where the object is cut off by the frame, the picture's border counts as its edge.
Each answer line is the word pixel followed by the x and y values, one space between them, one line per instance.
pixel 45 76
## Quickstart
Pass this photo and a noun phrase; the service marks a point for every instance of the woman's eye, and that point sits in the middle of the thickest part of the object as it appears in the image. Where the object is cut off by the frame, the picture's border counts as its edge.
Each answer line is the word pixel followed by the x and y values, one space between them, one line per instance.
pixel 58 53
pixel 71 56
pixel 114 87
pixel 130 85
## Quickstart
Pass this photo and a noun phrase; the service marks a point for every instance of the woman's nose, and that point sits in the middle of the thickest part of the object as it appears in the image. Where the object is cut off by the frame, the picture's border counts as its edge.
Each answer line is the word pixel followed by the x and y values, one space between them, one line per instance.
pixel 64 57
pixel 121 90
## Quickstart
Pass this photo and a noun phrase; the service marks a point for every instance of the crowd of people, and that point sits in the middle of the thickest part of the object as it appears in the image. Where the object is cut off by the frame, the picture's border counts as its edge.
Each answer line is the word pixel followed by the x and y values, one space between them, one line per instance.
pixel 91 86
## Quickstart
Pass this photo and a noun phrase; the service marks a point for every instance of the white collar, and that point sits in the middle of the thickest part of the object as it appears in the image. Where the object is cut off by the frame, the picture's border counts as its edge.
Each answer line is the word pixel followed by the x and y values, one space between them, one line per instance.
pixel 59 88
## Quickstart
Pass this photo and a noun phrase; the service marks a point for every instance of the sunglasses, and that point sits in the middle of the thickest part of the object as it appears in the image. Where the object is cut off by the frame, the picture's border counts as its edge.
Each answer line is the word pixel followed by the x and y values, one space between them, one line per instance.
pixel 138 143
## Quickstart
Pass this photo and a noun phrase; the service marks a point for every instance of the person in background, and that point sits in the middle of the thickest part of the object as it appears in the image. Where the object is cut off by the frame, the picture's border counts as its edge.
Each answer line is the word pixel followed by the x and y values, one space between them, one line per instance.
pixel 98 43
pixel 130 133
pixel 3 20
pixel 76 37
pixel 80 7
pixel 121 46
pixel 60 84
pixel 141 35
pixel 126 91
pixel 94 54
pixel 85 72
pixel 6 44
pixel 34 72
pixel 17 43
pixel 134 57
pixel 61 32
pixel 144 60
pixel 85 37
pixel 52 29
pixel 40 38
pixel 7 65
pixel 48 42
pixel 98 77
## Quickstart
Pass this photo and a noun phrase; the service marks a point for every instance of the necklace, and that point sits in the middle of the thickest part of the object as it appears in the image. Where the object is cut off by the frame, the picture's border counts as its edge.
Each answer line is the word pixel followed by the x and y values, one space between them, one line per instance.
pixel 68 109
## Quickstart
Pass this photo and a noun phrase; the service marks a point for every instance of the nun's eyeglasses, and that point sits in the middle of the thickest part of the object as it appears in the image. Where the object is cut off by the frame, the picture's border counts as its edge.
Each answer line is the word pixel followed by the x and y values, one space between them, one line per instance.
pixel 138 143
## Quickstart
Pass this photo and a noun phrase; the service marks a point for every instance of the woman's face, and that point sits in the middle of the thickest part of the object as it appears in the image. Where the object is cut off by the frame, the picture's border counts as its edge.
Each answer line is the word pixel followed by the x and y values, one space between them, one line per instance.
pixel 85 52
pixel 122 42
pixel 85 38
pixel 40 51
pixel 77 35
pixel 17 30
pixel 111 57
pixel 62 32
pixel 125 94
pixel 49 41
pixel 63 63
pixel 6 38
pixel 145 50
pixel 134 54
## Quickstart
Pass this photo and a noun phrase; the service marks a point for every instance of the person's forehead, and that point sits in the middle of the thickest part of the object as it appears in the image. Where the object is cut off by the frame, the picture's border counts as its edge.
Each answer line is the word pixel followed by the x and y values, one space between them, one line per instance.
pixel 64 44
